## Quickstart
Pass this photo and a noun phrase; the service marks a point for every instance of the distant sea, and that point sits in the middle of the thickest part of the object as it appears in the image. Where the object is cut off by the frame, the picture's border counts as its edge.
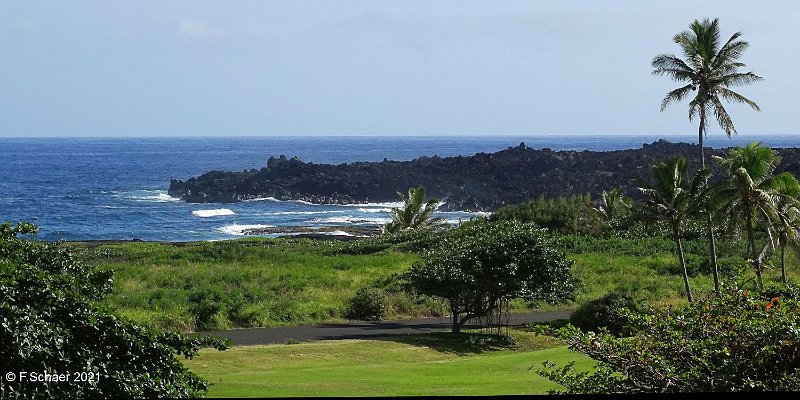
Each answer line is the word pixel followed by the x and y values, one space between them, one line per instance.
pixel 116 188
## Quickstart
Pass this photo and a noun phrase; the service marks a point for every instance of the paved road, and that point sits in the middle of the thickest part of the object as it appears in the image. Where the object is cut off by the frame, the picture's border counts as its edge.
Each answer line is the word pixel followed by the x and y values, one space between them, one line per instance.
pixel 361 330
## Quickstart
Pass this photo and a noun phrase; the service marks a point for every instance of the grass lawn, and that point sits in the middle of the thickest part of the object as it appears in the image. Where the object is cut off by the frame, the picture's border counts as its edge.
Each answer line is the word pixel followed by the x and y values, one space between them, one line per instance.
pixel 394 366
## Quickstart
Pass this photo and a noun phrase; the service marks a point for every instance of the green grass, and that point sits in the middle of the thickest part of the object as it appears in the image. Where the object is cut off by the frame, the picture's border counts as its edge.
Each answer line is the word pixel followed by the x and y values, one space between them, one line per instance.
pixel 259 282
pixel 392 366
pixel 272 282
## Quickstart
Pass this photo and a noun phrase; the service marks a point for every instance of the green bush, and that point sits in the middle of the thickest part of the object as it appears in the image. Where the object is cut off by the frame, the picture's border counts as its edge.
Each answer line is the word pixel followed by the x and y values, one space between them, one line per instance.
pixel 605 312
pixel 782 290
pixel 481 266
pixel 736 341
pixel 368 304
pixel 209 306
pixel 572 215
pixel 51 322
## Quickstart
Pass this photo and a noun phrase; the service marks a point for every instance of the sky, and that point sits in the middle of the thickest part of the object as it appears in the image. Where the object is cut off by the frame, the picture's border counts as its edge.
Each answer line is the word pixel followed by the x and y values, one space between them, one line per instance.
pixel 446 67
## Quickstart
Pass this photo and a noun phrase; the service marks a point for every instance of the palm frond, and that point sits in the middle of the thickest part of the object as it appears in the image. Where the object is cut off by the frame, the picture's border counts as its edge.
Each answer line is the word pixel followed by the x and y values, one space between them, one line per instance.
pixel 676 95
pixel 723 118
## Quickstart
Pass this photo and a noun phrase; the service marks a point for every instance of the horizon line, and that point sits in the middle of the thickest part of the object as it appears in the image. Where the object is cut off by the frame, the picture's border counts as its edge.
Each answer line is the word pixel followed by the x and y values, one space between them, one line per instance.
pixel 438 136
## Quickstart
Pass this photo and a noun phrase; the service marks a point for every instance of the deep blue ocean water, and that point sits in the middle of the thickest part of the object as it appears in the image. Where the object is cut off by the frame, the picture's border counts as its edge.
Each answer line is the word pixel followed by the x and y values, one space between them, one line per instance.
pixel 112 188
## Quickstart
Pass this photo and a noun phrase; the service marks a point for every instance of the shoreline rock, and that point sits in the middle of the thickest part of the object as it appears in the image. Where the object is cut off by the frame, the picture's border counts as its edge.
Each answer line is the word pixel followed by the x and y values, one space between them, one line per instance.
pixel 481 182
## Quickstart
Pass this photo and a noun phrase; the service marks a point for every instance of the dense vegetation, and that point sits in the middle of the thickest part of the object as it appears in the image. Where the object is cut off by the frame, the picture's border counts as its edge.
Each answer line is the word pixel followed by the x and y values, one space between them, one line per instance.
pixel 488 265
pixel 245 283
pixel 51 324
pixel 737 341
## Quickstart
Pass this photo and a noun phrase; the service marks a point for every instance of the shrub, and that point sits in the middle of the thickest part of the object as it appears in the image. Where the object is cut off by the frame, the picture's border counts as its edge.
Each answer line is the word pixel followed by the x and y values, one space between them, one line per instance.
pixel 483 265
pixel 573 214
pixel 605 312
pixel 50 321
pixel 368 304
pixel 208 306
pixel 736 341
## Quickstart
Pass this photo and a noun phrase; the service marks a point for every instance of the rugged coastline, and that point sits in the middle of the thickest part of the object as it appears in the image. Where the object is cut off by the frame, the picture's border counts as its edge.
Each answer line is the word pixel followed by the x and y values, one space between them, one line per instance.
pixel 481 182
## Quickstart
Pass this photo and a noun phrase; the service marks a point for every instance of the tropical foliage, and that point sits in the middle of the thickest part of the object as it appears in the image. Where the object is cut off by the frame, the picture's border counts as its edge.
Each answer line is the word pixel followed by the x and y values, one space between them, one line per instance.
pixel 614 207
pixel 415 213
pixel 489 264
pixel 749 198
pixel 736 341
pixel 673 198
pixel 709 69
pixel 50 323
pixel 572 215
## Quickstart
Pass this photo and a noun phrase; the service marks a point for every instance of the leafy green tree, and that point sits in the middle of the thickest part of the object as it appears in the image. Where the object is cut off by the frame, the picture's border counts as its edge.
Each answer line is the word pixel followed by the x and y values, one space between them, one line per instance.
pixel 749 195
pixel 415 213
pixel 51 322
pixel 709 69
pixel 486 264
pixel 735 341
pixel 672 198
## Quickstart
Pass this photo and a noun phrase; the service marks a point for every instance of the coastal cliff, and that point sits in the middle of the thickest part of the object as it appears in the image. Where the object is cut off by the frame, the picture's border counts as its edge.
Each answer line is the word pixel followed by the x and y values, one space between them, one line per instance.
pixel 481 182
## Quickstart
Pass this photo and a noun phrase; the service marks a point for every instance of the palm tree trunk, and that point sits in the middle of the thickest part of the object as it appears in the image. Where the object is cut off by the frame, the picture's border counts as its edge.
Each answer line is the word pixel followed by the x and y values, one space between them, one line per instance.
pixel 783 263
pixel 712 242
pixel 682 260
pixel 752 243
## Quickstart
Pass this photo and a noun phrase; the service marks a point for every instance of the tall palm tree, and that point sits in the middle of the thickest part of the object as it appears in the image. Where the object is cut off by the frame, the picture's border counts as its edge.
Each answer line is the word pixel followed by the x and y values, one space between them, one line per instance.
pixel 673 199
pixel 787 227
pixel 749 197
pixel 415 213
pixel 710 70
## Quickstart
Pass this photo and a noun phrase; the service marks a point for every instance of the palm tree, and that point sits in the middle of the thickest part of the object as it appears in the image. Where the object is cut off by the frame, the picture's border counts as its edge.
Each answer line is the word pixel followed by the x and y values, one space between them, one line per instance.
pixel 787 227
pixel 415 213
pixel 750 196
pixel 613 206
pixel 673 199
pixel 710 70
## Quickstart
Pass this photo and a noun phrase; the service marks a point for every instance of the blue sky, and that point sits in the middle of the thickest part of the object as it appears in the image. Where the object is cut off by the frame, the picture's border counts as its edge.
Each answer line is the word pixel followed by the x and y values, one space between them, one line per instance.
pixel 179 68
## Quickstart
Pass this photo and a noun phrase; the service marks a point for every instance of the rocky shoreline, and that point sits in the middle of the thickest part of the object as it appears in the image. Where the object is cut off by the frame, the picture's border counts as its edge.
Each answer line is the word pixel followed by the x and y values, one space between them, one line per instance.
pixel 319 232
pixel 481 182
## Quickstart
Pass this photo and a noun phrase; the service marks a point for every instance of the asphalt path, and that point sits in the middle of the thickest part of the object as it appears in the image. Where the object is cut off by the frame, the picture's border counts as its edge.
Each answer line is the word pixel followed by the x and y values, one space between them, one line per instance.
pixel 363 329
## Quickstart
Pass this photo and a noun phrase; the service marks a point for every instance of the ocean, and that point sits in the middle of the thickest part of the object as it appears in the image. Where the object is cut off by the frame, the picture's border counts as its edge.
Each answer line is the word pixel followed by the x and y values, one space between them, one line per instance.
pixel 116 188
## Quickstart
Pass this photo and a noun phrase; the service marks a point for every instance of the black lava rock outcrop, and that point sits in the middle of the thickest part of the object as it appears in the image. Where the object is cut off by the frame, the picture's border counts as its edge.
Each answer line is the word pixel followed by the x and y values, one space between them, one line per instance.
pixel 481 182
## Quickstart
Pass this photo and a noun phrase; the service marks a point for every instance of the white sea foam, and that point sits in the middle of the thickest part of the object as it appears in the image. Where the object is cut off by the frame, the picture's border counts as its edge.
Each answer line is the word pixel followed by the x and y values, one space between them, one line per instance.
pixel 263 199
pixel 154 196
pixel 331 233
pixel 374 205
pixel 212 213
pixel 238 230
pixel 375 210
pixel 350 220
pixel 302 212
pixel 337 220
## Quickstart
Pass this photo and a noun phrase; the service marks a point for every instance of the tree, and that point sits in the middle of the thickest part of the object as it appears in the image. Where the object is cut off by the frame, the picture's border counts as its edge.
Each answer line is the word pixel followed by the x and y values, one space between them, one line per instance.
pixel 484 265
pixel 736 341
pixel 786 227
pixel 710 70
pixel 673 199
pixel 415 213
pixel 749 195
pixel 614 206
pixel 52 322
